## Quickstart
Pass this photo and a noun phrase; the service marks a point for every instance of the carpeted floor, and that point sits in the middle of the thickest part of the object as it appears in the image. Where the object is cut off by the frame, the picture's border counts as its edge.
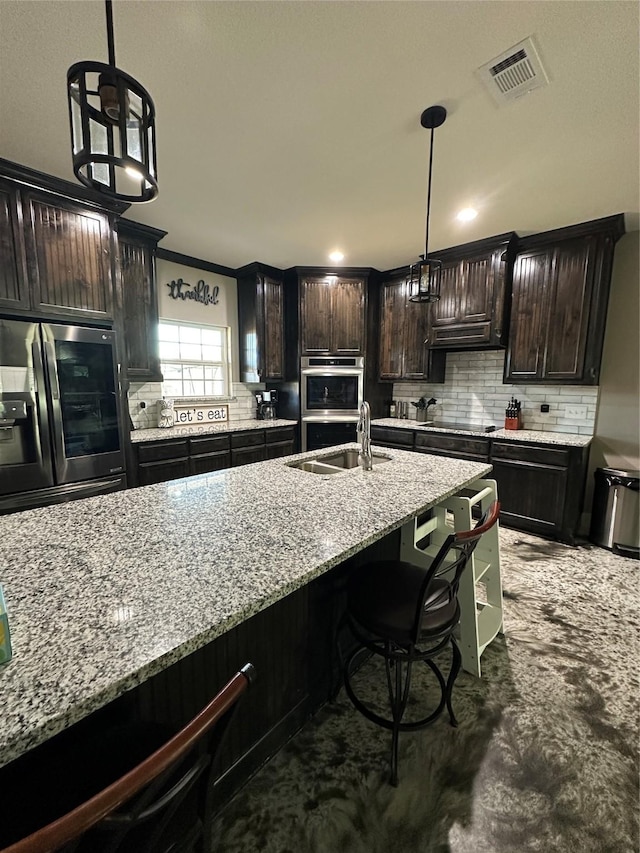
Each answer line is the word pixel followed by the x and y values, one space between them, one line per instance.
pixel 545 757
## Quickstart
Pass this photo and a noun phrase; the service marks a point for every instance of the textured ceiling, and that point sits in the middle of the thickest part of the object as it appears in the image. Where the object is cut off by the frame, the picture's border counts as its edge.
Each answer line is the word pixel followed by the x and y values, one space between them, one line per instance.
pixel 288 129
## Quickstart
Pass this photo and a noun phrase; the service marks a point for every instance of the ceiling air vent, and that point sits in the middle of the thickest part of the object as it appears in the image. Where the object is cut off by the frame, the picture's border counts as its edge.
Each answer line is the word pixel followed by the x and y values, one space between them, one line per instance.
pixel 514 73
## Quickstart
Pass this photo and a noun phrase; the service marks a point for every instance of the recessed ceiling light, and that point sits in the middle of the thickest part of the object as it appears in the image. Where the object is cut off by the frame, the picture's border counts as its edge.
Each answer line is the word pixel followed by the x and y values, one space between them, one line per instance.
pixel 336 256
pixel 467 214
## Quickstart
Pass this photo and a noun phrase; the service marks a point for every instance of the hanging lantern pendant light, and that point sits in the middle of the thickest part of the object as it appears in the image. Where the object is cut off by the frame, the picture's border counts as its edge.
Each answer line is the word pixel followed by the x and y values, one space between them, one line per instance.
pixel 424 276
pixel 113 132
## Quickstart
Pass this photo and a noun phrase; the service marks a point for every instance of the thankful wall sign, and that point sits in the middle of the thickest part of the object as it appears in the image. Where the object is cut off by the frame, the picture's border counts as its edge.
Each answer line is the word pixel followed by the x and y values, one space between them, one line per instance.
pixel 200 292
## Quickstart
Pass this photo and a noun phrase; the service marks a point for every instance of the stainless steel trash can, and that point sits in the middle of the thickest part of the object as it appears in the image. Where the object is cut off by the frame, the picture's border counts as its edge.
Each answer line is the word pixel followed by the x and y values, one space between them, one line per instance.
pixel 615 517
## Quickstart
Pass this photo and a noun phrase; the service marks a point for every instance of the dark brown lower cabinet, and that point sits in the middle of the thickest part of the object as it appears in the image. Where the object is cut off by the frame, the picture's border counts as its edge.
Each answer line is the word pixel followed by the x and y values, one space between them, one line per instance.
pixel 280 441
pixel 168 459
pixel 209 453
pixel 458 446
pixel 540 486
pixel 162 460
pixel 402 439
pixel 247 447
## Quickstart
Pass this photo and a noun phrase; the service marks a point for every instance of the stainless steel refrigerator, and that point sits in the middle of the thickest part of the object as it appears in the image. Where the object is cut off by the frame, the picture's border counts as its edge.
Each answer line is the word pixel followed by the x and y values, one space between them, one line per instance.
pixel 60 427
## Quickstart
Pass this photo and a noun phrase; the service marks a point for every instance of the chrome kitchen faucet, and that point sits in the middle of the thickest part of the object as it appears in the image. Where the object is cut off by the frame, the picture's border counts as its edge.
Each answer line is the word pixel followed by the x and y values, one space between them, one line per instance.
pixel 364 437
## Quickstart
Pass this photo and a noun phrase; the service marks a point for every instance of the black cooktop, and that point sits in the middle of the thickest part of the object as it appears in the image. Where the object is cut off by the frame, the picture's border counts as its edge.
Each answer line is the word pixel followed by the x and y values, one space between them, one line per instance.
pixel 465 427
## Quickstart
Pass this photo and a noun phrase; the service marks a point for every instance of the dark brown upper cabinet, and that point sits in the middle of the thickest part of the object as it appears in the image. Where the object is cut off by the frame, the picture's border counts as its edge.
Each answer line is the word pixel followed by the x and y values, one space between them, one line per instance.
pixel 261 323
pixel 559 305
pixel 57 247
pixel 136 250
pixel 13 283
pixel 69 250
pixel 472 312
pixel 403 350
pixel 332 314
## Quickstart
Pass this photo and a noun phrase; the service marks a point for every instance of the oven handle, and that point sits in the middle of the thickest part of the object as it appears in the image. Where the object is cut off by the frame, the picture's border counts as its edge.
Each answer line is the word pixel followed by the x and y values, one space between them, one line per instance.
pixel 333 371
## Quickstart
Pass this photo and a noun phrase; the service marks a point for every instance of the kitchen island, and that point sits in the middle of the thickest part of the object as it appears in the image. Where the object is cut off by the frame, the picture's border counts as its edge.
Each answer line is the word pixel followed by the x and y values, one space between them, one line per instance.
pixel 105 593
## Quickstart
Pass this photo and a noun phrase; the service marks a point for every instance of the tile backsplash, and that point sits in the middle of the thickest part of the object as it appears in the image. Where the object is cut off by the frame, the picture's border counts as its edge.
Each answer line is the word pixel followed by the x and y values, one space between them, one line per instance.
pixel 473 392
pixel 242 406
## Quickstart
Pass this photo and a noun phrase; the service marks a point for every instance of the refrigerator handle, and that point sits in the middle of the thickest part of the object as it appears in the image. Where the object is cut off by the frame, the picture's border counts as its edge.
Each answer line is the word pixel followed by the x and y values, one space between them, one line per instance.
pixel 56 419
pixel 39 398
pixel 52 373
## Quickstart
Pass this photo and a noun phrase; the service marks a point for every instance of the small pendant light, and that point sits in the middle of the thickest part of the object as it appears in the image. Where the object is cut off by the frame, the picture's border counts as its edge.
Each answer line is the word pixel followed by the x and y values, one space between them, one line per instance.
pixel 113 134
pixel 424 276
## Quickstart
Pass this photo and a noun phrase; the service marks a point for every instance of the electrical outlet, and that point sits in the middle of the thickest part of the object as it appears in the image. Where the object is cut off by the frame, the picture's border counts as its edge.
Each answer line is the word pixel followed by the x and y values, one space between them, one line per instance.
pixel 575 411
pixel 544 408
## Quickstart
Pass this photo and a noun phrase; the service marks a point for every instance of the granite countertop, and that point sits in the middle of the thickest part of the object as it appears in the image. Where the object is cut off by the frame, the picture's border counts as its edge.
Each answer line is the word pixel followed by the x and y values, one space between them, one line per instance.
pixel 566 439
pixel 104 592
pixel 139 435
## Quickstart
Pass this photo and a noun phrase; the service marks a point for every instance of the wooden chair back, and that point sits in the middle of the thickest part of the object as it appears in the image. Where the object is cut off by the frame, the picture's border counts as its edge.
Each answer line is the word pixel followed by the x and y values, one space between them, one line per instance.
pixel 148 795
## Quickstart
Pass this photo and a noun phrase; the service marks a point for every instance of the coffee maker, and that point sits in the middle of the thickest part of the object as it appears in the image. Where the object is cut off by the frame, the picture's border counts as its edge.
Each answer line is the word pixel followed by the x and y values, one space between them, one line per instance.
pixel 266 401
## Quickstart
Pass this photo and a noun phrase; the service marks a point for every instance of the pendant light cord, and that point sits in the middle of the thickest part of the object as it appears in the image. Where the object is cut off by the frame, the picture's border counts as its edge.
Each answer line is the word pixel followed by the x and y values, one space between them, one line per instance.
pixel 426 238
pixel 112 50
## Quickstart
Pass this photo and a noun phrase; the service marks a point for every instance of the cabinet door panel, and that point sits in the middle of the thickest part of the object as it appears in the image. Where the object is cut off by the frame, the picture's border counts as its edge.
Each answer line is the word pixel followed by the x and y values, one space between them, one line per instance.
pixel 347 317
pixel 416 330
pixel 569 301
pixel 476 295
pixel 68 257
pixel 528 310
pixel 273 329
pixel 445 310
pixel 532 496
pixel 316 316
pixel 392 317
pixel 13 290
pixel 140 311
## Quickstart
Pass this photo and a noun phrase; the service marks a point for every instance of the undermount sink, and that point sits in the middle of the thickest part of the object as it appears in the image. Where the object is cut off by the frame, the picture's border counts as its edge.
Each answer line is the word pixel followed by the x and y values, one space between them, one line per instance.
pixel 349 459
pixel 335 463
pixel 314 467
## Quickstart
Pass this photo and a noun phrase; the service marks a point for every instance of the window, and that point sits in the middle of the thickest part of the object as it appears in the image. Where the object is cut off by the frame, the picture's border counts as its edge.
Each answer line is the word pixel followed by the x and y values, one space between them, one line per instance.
pixel 194 360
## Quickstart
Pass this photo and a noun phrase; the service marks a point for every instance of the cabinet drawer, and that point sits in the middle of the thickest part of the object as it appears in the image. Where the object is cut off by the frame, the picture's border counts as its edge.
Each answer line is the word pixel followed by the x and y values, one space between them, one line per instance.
pixel 468 335
pixel 210 443
pixel 280 434
pixel 158 472
pixel 202 463
pixel 152 452
pixel 245 455
pixel 250 438
pixel 282 448
pixel 476 447
pixel 389 435
pixel 527 453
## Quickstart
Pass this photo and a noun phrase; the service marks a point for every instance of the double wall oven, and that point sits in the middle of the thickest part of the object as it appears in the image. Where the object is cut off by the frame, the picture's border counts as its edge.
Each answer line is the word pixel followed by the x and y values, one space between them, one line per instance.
pixel 331 392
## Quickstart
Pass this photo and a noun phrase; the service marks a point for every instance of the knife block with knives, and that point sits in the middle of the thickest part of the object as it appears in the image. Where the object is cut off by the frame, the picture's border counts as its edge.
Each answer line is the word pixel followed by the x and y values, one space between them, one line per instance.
pixel 513 415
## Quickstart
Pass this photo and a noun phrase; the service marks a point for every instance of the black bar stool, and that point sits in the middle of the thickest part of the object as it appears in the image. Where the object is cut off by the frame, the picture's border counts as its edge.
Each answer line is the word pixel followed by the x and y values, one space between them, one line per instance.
pixel 407 613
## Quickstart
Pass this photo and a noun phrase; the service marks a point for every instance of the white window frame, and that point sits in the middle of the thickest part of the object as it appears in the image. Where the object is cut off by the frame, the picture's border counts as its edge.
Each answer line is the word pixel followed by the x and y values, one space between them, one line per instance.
pixel 225 364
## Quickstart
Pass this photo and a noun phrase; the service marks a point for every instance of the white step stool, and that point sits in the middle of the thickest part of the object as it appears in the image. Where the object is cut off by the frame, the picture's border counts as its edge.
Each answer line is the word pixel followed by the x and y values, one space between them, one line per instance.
pixel 480 592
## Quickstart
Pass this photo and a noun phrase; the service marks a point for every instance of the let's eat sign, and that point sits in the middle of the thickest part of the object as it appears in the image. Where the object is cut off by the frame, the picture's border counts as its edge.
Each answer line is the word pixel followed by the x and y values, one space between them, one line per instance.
pixel 200 414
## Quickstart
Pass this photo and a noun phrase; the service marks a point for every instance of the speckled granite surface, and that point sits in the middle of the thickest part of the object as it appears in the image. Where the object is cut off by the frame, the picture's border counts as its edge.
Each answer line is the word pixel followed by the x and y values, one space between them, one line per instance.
pixel 104 592
pixel 139 435
pixel 545 757
pixel 567 439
